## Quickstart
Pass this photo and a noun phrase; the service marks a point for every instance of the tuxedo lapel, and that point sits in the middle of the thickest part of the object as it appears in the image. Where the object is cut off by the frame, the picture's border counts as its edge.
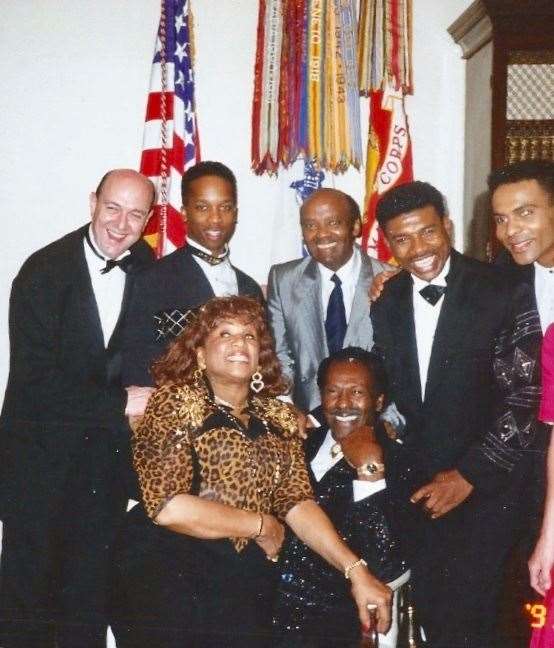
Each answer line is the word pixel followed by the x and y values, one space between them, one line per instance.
pixel 115 337
pixel 90 317
pixel 313 442
pixel 359 314
pixel 527 274
pixel 453 323
pixel 192 274
pixel 142 257
pixel 401 321
pixel 242 283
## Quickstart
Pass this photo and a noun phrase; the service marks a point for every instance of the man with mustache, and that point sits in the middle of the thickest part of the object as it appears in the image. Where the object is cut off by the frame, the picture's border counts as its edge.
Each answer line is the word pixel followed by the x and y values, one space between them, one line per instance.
pixel 318 304
pixel 346 468
pixel 522 196
pixel 189 276
pixel 459 340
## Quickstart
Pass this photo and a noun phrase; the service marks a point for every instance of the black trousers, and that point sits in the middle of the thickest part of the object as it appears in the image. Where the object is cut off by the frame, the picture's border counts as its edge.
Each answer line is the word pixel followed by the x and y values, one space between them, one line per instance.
pixel 172 591
pixel 56 554
pixel 457 571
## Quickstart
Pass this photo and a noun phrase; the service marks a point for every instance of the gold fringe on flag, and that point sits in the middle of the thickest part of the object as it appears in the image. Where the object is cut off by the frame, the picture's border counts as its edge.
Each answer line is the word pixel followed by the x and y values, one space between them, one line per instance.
pixel 307 103
pixel 385 45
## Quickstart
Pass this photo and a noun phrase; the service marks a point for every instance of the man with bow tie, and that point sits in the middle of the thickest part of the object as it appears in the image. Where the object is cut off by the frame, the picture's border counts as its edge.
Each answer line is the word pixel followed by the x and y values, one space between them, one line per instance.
pixel 164 293
pixel 459 341
pixel 63 435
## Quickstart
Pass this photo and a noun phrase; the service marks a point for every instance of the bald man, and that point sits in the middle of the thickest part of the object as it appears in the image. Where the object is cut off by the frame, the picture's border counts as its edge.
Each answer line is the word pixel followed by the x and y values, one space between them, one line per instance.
pixel 63 437
pixel 318 305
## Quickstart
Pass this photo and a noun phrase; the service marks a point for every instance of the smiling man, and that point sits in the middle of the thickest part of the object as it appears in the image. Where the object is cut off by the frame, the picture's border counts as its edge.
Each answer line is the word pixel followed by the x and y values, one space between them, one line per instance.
pixel 522 196
pixel 63 436
pixel 319 304
pixel 347 473
pixel 189 276
pixel 458 339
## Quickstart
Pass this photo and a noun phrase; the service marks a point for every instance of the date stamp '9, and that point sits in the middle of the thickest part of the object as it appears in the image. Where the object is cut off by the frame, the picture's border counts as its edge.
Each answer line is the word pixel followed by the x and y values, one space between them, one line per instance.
pixel 537 614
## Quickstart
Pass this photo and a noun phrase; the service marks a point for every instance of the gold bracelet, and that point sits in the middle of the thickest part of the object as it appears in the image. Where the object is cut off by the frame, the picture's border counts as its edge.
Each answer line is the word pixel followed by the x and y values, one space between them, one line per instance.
pixel 260 528
pixel 351 566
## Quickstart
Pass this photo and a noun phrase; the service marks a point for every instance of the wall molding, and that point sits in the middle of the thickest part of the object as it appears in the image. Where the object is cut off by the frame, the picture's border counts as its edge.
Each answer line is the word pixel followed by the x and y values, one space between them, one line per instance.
pixel 472 30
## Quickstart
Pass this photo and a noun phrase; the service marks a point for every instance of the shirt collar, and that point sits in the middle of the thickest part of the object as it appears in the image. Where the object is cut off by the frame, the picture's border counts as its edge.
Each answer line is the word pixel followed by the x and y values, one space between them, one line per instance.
pixel 204 249
pixel 323 460
pixel 439 280
pixel 345 272
pixel 543 270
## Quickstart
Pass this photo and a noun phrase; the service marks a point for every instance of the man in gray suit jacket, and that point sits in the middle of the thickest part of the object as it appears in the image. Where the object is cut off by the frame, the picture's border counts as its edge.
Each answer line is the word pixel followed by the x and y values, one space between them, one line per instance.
pixel 319 304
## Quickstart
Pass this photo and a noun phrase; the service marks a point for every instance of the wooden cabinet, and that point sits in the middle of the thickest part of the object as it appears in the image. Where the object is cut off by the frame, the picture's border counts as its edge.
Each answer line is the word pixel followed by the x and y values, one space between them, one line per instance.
pixel 522 80
pixel 520 97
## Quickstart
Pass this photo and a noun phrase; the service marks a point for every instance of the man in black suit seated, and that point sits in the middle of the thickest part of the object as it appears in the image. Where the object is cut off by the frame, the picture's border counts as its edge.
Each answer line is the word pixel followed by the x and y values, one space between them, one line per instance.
pixel 63 434
pixel 188 277
pixel 347 472
pixel 459 341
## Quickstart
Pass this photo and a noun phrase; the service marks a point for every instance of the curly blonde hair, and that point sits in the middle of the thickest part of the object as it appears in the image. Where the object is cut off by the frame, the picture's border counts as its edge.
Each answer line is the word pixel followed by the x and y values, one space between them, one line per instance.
pixel 179 362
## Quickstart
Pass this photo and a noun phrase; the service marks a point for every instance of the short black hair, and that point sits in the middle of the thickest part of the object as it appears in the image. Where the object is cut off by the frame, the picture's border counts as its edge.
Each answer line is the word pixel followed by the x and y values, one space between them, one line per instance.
pixel 371 361
pixel 408 197
pixel 540 170
pixel 207 168
pixel 353 207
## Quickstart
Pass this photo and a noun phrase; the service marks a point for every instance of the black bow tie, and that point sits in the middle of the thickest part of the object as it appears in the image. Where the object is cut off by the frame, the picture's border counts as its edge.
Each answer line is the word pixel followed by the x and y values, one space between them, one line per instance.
pixel 124 263
pixel 432 293
pixel 208 258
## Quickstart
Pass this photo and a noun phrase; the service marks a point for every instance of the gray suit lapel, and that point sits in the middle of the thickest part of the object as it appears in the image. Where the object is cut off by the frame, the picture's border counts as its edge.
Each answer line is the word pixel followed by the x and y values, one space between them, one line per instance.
pixel 359 324
pixel 306 298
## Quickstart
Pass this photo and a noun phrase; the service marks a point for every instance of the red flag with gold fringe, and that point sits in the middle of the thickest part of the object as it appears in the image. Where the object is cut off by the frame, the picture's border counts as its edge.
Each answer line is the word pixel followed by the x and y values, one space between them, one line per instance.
pixel 389 162
pixel 384 69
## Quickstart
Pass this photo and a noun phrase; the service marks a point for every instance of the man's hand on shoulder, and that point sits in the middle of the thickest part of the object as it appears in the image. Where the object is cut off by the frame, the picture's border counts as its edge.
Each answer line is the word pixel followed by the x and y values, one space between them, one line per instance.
pixel 378 283
pixel 137 398
pixel 447 491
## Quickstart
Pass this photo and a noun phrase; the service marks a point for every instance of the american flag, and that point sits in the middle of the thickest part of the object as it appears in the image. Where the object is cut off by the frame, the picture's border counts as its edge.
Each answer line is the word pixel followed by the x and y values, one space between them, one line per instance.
pixel 170 145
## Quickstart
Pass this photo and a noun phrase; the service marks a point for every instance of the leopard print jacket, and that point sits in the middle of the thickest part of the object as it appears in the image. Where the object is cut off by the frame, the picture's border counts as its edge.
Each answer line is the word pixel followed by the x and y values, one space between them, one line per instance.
pixel 186 443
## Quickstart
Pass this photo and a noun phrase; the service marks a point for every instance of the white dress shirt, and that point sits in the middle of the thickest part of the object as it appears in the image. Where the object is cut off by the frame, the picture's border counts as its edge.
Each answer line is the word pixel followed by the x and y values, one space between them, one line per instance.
pixel 544 292
pixel 348 274
pixel 108 288
pixel 426 317
pixel 324 461
pixel 222 277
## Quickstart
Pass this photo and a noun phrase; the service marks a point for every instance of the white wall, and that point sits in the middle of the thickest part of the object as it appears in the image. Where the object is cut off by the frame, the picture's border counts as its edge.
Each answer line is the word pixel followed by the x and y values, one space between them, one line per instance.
pixel 75 76
pixel 478 131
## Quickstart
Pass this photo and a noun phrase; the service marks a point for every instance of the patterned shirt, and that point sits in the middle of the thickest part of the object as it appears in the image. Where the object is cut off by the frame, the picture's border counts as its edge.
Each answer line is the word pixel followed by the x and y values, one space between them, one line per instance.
pixel 188 443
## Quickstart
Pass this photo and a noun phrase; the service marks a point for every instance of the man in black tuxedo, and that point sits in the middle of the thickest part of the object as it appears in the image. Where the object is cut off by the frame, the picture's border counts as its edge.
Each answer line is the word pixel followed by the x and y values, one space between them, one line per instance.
pixel 188 277
pixel 63 435
pixel 460 343
pixel 345 463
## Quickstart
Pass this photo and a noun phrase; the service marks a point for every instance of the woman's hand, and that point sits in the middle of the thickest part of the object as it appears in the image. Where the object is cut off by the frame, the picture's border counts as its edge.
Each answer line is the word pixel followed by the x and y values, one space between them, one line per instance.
pixel 272 536
pixel 540 565
pixel 367 590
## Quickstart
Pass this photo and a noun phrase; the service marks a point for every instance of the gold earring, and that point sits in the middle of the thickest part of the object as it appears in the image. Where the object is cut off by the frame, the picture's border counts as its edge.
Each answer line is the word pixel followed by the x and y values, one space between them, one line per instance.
pixel 257 383
pixel 198 377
